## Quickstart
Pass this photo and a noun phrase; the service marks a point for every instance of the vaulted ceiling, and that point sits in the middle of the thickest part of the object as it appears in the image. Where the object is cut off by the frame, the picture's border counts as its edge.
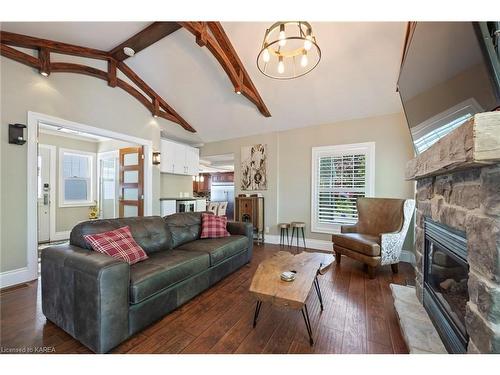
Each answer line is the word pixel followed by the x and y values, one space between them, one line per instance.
pixel 356 77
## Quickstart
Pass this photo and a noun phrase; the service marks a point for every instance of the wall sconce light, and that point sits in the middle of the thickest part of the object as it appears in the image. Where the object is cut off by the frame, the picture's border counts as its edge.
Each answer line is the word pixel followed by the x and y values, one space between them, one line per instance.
pixel 156 157
pixel 16 134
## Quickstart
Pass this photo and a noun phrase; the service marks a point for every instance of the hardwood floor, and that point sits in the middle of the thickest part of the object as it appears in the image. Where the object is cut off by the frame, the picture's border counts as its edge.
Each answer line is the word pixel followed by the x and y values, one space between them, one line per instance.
pixel 358 317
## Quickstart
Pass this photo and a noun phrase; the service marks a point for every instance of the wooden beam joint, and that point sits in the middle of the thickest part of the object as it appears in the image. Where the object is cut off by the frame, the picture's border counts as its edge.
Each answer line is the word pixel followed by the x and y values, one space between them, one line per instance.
pixel 112 77
pixel 44 58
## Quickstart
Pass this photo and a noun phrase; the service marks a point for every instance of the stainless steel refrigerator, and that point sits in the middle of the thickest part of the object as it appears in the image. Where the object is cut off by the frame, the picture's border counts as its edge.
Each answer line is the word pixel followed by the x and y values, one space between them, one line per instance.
pixel 224 192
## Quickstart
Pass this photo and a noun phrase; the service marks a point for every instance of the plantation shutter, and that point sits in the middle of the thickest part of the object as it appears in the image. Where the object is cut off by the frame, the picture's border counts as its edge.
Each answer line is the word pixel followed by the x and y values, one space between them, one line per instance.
pixel 342 179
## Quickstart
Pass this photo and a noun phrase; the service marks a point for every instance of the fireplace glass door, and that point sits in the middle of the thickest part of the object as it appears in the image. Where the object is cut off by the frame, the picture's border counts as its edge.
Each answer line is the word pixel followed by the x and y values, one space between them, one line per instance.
pixel 447 278
pixel 446 273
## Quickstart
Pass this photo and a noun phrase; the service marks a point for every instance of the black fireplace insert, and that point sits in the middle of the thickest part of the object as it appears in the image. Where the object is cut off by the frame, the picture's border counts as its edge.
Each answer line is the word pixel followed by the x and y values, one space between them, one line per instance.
pixel 446 273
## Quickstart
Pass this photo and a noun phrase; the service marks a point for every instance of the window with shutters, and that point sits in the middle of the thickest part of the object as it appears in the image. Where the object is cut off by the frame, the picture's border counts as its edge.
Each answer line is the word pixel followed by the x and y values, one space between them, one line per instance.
pixel 76 178
pixel 340 175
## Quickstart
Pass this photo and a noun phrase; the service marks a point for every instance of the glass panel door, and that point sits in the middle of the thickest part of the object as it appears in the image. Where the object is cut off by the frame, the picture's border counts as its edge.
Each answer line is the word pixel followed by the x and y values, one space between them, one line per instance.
pixel 131 182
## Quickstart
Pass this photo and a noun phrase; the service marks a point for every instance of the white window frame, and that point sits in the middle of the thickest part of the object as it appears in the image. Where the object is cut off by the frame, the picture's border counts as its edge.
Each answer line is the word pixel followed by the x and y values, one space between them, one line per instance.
pixel 89 202
pixel 367 148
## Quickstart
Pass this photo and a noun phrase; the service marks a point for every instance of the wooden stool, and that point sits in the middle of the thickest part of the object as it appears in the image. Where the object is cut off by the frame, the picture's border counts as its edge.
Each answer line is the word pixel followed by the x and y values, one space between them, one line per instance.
pixel 284 228
pixel 298 225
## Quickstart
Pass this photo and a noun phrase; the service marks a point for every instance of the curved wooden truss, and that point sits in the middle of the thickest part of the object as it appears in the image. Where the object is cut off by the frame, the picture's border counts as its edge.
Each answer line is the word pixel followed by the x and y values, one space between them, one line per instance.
pixel 213 36
pixel 209 34
pixel 153 101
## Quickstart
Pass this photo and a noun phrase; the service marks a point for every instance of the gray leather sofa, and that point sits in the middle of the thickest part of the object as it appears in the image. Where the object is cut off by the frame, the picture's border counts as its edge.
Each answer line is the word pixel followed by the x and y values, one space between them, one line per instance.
pixel 101 301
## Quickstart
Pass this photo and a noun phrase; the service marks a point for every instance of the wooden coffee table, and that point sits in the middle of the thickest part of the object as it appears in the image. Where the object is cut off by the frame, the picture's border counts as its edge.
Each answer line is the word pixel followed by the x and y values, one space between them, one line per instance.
pixel 267 285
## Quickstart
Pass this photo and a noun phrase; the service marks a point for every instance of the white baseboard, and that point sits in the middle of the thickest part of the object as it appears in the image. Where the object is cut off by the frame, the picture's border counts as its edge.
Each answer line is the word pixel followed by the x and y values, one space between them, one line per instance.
pixel 407 256
pixel 14 277
pixel 310 242
pixel 59 236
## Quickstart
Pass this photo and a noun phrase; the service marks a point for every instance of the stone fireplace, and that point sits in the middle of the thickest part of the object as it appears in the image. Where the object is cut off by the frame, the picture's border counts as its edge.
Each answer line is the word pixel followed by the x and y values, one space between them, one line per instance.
pixel 457 234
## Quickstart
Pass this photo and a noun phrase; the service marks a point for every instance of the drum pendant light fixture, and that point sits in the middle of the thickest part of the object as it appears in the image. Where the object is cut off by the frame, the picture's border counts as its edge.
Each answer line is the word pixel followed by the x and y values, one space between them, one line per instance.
pixel 289 50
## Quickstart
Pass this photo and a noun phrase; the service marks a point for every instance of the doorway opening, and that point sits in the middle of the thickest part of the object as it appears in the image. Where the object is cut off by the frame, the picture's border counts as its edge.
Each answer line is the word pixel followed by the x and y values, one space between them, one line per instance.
pixel 81 173
pixel 216 184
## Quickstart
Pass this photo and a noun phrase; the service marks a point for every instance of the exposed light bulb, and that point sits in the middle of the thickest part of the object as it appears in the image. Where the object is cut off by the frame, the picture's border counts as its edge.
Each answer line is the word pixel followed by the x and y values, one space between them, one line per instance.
pixel 45 74
pixel 303 60
pixel 308 43
pixel 282 36
pixel 281 66
pixel 265 56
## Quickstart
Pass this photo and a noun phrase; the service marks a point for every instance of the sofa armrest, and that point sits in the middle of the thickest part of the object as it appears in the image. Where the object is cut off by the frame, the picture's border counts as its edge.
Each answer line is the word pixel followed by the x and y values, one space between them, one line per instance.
pixel 352 228
pixel 244 229
pixel 86 293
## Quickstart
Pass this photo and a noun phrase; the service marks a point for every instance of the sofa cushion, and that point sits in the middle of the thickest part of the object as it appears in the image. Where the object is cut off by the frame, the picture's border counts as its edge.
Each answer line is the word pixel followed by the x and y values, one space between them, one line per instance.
pixel 213 226
pixel 362 243
pixel 163 270
pixel 150 232
pixel 118 244
pixel 218 248
pixel 185 227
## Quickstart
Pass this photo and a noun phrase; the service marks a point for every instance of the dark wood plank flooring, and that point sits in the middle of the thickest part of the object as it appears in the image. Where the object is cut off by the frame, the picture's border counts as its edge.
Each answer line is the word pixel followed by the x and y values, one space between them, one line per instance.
pixel 359 317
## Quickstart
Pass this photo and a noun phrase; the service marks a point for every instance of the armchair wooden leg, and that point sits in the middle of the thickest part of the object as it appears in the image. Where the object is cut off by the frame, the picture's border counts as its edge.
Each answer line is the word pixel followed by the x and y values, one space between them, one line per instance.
pixel 337 257
pixel 371 272
pixel 395 267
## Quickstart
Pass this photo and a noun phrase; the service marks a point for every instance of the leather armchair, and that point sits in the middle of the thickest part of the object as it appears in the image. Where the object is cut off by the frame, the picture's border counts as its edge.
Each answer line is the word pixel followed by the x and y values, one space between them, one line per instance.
pixel 377 238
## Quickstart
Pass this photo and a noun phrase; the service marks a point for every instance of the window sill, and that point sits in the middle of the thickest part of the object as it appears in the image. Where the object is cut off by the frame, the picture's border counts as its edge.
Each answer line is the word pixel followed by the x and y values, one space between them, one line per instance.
pixel 84 204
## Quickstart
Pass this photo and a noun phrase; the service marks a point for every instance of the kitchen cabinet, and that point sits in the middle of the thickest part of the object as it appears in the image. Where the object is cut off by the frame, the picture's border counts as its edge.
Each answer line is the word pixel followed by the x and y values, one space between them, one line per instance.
pixel 178 158
pixel 223 177
pixel 203 186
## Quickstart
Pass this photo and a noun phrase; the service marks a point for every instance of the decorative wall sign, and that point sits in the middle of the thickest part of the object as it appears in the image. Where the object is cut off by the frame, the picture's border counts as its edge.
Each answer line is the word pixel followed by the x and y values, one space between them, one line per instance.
pixel 254 167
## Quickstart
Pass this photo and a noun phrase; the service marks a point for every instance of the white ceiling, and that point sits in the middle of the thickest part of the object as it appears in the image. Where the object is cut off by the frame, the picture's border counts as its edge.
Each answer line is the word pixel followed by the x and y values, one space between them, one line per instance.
pixel 356 77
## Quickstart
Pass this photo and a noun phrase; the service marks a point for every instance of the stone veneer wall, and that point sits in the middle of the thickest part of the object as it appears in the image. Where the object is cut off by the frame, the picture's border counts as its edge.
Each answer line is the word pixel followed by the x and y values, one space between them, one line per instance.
pixel 469 201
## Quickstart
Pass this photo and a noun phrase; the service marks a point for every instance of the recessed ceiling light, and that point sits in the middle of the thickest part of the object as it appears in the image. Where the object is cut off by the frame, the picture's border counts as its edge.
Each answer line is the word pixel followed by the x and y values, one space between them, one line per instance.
pixel 128 51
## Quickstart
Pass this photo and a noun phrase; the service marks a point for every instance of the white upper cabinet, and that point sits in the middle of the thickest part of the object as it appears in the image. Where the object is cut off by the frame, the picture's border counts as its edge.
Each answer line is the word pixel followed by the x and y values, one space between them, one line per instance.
pixel 192 161
pixel 178 158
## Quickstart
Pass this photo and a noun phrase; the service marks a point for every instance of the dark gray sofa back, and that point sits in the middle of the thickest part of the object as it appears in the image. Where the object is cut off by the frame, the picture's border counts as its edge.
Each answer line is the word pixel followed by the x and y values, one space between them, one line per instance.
pixel 185 227
pixel 150 232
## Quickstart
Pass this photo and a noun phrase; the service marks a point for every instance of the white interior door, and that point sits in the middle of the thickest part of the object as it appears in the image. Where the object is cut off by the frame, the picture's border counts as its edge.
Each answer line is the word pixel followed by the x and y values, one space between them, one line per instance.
pixel 44 187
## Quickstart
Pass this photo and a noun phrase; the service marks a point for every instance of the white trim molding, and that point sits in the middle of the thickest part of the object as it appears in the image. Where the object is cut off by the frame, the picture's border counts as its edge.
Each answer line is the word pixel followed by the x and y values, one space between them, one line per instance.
pixel 311 243
pixel 92 176
pixel 366 148
pixel 14 277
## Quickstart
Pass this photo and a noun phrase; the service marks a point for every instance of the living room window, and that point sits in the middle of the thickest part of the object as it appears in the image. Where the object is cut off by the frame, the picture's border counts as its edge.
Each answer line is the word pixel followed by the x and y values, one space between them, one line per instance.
pixel 76 178
pixel 340 175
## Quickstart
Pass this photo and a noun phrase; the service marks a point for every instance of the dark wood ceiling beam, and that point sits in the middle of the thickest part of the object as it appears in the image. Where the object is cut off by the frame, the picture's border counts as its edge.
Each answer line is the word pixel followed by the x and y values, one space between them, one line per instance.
pixel 144 38
pixel 43 64
pixel 19 56
pixel 25 41
pixel 125 69
pixel 112 73
pixel 44 58
pixel 251 93
pixel 218 43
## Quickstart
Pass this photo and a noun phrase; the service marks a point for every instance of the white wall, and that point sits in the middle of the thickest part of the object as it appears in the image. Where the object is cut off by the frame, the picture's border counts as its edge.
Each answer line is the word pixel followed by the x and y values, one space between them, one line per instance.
pixel 288 197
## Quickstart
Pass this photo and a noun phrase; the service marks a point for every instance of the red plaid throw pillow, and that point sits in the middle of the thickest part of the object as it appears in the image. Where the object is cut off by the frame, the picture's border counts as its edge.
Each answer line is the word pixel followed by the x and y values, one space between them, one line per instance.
pixel 117 243
pixel 213 226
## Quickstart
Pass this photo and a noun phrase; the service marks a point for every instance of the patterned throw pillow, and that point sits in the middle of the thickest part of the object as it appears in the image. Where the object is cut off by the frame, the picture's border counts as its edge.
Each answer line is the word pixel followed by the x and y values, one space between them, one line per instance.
pixel 117 243
pixel 213 226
